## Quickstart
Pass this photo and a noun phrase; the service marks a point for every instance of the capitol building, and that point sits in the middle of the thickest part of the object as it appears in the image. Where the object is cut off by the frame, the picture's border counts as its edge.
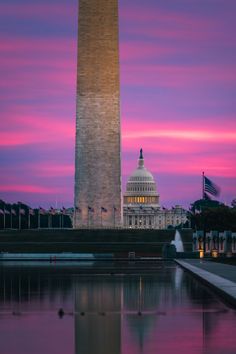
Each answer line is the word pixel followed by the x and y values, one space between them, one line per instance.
pixel 141 204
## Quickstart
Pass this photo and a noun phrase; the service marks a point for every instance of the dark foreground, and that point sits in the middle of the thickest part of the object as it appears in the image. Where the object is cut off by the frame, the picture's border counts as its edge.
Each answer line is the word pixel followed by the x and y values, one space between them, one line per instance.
pixel 119 241
pixel 118 309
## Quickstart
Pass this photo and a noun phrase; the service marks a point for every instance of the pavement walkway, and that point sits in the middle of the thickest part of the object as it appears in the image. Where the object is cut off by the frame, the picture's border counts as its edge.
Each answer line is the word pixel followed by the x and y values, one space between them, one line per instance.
pixel 221 277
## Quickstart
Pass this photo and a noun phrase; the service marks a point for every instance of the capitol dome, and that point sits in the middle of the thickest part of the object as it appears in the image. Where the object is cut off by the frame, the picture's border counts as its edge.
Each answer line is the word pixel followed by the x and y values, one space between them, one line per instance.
pixel 141 208
pixel 141 186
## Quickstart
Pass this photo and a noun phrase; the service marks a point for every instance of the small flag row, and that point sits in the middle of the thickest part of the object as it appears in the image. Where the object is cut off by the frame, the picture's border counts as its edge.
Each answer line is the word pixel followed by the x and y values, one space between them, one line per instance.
pixel 51 211
pixel 12 211
pixel 42 211
pixel 90 209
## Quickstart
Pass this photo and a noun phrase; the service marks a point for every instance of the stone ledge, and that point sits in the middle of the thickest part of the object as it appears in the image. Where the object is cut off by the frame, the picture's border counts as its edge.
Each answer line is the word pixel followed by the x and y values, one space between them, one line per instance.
pixel 224 287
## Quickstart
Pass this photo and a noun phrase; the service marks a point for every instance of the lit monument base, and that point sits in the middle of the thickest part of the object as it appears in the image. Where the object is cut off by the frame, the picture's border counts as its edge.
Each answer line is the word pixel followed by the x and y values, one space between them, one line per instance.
pixel 99 220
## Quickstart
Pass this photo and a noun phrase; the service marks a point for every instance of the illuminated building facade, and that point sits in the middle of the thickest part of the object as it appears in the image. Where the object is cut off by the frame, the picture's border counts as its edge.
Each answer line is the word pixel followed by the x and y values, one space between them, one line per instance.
pixel 141 208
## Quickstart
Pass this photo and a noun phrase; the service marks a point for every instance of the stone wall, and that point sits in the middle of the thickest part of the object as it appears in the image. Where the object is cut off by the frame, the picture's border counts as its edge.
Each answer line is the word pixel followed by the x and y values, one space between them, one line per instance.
pixel 97 155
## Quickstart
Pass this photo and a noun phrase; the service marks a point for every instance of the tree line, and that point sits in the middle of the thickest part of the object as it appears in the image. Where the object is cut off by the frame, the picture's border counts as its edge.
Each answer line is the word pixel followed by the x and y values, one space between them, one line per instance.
pixel 212 215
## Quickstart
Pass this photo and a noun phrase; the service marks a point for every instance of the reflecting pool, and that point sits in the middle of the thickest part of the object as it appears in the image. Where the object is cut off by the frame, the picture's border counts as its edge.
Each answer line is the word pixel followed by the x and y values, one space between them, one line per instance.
pixel 110 309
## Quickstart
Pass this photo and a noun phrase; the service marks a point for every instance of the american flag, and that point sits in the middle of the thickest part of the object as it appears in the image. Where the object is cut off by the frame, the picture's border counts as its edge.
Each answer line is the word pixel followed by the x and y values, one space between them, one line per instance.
pixel 63 210
pixel 31 211
pixel 211 187
pixel 52 211
pixel 13 211
pixel 41 211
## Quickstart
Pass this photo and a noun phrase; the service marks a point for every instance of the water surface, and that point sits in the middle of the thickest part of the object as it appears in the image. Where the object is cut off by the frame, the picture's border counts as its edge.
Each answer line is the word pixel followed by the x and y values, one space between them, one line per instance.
pixel 123 310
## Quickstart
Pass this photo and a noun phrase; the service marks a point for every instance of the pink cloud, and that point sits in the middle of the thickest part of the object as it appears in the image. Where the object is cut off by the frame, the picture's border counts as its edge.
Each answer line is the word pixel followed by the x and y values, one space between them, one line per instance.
pixel 186 164
pixel 177 149
pixel 207 129
pixel 156 23
pixel 198 33
pixel 156 14
pixel 37 67
pixel 46 46
pixel 131 51
pixel 28 189
pixel 196 135
pixel 176 76
pixel 31 127
pixel 55 81
pixel 47 12
pixel 52 170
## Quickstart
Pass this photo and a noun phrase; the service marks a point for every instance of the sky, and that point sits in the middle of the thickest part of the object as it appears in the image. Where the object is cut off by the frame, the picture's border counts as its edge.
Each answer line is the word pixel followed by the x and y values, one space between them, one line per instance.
pixel 178 89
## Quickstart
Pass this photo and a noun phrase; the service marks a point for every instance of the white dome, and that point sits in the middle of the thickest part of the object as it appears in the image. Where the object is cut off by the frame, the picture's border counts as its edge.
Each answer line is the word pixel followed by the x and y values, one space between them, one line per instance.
pixel 141 183
pixel 141 174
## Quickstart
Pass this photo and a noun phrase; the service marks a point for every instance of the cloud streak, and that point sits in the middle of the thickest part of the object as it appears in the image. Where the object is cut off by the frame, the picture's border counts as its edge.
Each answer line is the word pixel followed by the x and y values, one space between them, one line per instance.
pixel 200 135
pixel 178 92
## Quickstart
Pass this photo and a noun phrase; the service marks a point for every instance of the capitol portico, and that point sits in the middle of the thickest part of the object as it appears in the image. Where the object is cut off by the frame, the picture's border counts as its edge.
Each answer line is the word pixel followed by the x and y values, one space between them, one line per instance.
pixel 141 208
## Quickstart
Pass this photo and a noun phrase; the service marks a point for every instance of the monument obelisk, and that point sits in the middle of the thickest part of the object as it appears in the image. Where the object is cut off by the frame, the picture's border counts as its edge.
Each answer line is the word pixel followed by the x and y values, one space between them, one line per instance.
pixel 97 152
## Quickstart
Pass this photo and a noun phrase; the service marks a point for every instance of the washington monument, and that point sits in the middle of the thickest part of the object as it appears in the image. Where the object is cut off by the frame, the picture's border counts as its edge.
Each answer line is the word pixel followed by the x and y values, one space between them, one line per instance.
pixel 97 152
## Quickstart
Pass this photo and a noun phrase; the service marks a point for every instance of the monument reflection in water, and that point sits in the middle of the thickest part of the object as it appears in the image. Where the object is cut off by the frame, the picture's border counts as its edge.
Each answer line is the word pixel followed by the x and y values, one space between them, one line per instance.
pixel 159 312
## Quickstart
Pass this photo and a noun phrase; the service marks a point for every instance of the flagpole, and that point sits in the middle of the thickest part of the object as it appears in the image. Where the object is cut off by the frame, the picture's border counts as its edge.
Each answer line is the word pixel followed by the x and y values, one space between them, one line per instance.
pixel 29 220
pixel 204 225
pixel 39 218
pixel 19 218
pixel 203 185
